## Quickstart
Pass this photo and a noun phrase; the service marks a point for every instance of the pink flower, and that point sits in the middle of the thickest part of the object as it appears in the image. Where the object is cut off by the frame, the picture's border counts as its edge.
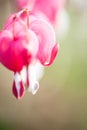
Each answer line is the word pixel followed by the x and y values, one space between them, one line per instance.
pixel 49 8
pixel 24 42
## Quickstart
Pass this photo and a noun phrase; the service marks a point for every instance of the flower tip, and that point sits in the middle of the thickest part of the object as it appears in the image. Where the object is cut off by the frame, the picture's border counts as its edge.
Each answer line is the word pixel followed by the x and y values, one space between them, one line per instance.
pixel 18 92
pixel 34 88
pixel 54 53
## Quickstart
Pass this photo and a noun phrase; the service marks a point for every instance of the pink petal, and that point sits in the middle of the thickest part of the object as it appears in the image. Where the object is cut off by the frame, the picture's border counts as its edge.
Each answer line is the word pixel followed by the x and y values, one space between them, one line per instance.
pixel 33 43
pixel 53 55
pixel 13 53
pixel 16 25
pixel 49 7
pixel 46 36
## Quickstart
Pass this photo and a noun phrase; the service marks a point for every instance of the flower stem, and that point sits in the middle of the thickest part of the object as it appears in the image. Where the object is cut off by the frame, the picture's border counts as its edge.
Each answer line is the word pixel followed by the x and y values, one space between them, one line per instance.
pixel 27 14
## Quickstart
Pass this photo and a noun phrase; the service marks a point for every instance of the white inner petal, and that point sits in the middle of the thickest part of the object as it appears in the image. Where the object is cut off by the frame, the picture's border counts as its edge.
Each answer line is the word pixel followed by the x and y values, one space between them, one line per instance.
pixel 39 69
pixel 17 83
pixel 34 86
pixel 23 74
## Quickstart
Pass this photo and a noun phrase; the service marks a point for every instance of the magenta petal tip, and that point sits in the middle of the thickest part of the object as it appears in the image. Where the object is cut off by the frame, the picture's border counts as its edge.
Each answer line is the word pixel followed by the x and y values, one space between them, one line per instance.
pixel 18 91
pixel 54 53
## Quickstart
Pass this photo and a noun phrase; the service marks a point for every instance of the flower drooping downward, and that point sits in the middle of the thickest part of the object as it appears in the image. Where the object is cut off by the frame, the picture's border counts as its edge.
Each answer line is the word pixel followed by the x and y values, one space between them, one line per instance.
pixel 26 44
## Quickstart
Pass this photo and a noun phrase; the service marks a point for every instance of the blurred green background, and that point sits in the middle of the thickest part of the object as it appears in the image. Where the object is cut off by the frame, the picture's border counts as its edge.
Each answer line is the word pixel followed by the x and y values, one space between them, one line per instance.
pixel 61 102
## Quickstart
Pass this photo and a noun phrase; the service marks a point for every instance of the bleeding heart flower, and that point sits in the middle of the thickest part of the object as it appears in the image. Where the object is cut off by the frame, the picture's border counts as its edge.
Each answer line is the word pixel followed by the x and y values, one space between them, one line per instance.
pixel 25 42
pixel 47 50
pixel 17 49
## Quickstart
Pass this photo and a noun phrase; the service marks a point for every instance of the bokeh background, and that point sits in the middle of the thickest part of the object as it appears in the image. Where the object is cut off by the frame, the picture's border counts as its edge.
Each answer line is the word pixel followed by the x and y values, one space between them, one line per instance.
pixel 61 102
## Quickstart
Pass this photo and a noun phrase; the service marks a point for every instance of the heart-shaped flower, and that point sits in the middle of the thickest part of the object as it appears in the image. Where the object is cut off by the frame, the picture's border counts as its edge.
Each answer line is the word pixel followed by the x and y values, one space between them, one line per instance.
pixel 25 42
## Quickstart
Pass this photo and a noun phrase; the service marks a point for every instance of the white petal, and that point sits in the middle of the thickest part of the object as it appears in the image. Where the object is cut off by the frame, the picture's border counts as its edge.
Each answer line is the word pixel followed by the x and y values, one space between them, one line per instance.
pixel 33 83
pixel 35 73
pixel 23 74
pixel 17 79
pixel 39 69
pixel 34 87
